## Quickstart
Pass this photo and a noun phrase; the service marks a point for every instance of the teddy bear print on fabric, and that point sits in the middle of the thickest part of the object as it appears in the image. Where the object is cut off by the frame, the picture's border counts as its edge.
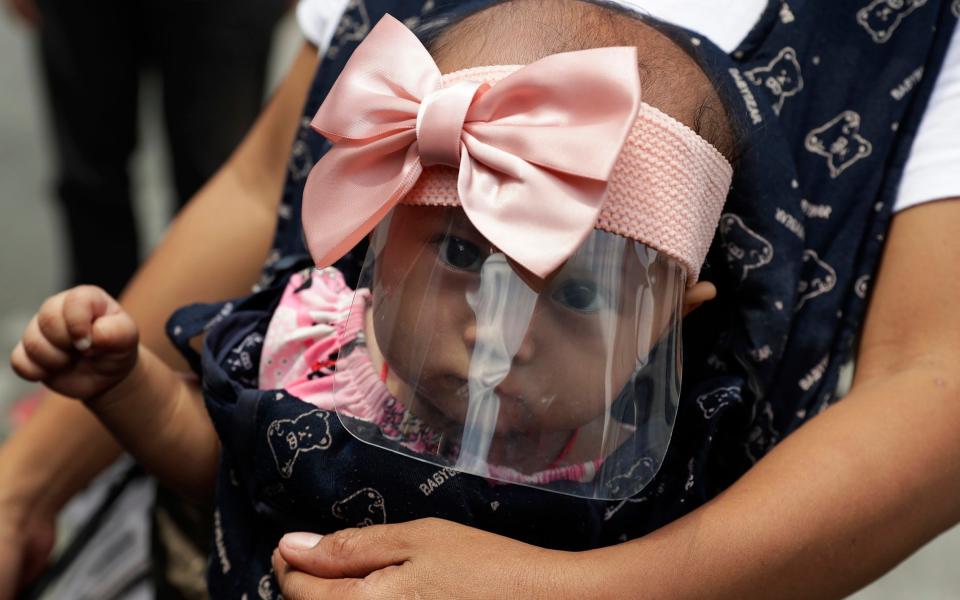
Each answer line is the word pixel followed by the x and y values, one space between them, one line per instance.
pixel 711 403
pixel 818 278
pixel 242 362
pixel 862 286
pixel 840 142
pixel 223 560
pixel 362 508
pixel 643 470
pixel 882 17
pixel 762 436
pixel 746 250
pixel 354 26
pixel 648 493
pixel 781 77
pixel 414 21
pixel 301 156
pixel 288 438
pixel 266 589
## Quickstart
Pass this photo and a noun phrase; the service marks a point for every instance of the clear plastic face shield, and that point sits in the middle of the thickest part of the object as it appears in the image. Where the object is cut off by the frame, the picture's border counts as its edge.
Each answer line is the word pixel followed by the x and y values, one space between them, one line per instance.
pixel 569 384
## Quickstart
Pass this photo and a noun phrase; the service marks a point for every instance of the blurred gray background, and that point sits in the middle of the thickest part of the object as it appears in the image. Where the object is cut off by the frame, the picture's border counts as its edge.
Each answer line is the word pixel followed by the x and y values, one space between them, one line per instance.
pixel 30 253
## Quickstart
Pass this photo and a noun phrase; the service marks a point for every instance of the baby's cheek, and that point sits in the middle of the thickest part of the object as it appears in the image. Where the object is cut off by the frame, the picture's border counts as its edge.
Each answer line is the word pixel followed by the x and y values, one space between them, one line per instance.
pixel 580 394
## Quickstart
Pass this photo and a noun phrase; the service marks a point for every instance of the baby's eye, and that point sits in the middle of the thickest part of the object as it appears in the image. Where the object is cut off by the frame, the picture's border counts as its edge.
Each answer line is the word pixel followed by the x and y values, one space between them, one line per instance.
pixel 580 295
pixel 460 254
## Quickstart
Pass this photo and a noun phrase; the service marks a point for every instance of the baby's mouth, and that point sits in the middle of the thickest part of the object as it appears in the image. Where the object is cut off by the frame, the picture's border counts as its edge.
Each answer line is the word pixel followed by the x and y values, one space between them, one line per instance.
pixel 447 402
pixel 509 394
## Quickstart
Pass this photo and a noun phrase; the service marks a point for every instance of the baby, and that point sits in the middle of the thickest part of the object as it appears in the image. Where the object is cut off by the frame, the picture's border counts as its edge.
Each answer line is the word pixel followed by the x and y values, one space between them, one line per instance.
pixel 536 237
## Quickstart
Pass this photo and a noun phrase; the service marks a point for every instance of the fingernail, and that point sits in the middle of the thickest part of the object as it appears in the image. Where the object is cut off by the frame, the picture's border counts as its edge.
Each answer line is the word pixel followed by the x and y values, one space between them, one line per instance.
pixel 300 540
pixel 83 344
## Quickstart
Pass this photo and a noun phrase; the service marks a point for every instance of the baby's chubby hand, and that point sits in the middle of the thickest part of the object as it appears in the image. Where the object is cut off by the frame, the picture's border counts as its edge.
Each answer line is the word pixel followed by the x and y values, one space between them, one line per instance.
pixel 80 344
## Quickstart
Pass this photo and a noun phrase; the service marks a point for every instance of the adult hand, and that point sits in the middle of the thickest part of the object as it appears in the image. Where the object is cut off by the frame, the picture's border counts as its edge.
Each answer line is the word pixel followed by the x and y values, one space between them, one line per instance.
pixel 26 10
pixel 26 540
pixel 428 558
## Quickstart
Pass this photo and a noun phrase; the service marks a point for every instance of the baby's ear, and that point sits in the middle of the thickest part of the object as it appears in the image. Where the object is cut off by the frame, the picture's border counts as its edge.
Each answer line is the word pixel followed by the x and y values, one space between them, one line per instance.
pixel 702 292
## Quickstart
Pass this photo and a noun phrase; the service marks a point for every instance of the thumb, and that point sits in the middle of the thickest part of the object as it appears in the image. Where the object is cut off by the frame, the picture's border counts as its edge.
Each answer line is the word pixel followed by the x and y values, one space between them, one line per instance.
pixel 82 306
pixel 114 333
pixel 347 553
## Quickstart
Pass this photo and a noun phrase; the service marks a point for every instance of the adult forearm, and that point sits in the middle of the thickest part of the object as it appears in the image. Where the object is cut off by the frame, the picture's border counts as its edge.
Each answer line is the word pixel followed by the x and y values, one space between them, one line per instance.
pixel 215 248
pixel 55 454
pixel 212 251
pixel 835 505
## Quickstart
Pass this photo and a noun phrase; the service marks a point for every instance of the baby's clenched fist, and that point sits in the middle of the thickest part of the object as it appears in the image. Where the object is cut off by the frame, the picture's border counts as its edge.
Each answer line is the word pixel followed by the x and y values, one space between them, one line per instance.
pixel 80 344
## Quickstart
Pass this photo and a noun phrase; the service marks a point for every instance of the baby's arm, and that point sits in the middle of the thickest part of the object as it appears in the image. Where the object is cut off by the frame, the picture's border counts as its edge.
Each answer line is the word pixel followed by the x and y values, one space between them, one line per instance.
pixel 83 345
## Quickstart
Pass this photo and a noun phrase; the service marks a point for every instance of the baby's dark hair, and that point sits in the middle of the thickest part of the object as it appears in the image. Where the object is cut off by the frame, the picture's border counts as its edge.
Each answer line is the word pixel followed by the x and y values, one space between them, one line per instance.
pixel 675 82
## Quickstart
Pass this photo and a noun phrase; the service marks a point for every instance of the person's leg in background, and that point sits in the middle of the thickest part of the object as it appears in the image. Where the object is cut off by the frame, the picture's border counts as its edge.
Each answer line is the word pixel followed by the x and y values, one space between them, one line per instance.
pixel 213 59
pixel 90 55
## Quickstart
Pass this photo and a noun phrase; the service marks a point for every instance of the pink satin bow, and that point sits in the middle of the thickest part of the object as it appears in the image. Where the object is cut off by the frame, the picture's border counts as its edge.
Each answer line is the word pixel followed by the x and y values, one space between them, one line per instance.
pixel 534 151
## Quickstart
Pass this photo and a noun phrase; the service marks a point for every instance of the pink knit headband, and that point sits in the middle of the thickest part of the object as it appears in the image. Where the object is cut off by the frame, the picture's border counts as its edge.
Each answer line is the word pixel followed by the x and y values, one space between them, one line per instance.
pixel 541 154
pixel 667 188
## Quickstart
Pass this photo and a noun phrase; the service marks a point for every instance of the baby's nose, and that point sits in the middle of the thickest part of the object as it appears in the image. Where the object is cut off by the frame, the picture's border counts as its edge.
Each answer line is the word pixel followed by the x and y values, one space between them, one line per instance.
pixel 470 335
pixel 527 349
pixel 524 354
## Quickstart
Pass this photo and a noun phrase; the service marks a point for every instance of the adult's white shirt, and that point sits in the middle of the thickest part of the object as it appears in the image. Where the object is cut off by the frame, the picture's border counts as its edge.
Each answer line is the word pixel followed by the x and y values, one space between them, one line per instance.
pixel 933 168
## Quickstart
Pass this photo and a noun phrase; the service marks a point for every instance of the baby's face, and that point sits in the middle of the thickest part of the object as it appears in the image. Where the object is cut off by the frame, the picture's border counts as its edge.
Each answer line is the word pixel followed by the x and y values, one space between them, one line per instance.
pixel 574 353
